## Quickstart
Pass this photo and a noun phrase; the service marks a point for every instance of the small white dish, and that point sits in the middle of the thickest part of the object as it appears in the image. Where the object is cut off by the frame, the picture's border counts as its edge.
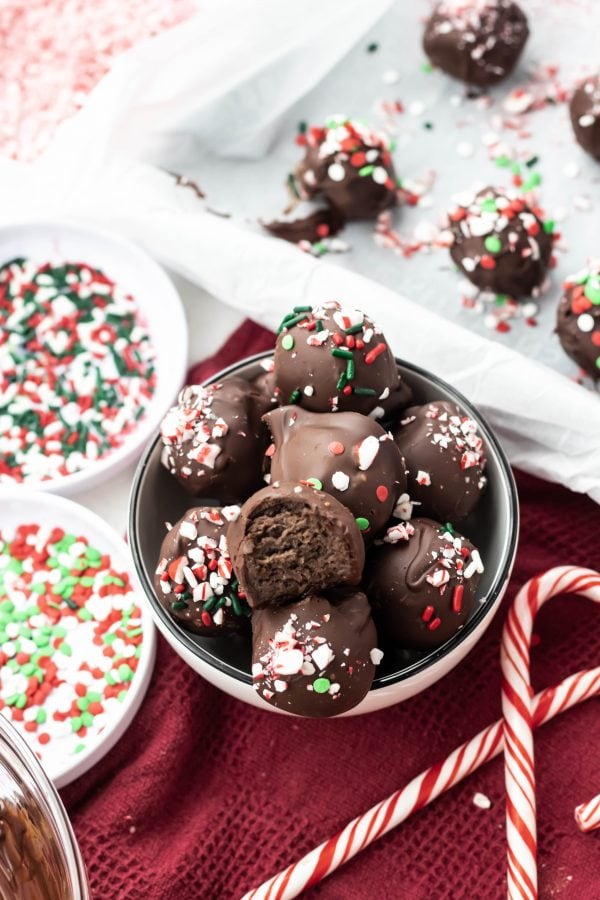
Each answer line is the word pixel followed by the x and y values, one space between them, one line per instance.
pixel 160 309
pixel 21 506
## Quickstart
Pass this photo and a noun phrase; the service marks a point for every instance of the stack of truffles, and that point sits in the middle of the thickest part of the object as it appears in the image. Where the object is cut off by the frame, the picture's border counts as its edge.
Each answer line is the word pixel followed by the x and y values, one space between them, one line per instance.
pixel 353 543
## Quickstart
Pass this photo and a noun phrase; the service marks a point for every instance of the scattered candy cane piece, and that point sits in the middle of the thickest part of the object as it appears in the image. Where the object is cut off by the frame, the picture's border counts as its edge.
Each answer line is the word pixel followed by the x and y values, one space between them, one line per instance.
pixel 391 812
pixel 587 815
pixel 517 709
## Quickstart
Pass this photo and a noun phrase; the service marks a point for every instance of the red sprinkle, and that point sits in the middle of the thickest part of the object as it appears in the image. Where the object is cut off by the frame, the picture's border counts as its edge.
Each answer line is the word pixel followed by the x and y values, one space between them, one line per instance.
pixel 427 613
pixel 435 624
pixel 336 448
pixel 487 262
pixel 457 599
pixel 381 493
pixel 374 353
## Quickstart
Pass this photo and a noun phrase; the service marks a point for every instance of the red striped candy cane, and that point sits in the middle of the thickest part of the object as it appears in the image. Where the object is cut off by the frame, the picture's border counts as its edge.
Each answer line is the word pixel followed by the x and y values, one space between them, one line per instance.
pixel 518 709
pixel 386 815
pixel 587 815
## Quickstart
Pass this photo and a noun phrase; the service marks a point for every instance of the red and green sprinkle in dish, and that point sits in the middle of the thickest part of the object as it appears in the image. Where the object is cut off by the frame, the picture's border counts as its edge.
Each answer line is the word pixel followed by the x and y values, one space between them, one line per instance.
pixel 76 368
pixel 70 640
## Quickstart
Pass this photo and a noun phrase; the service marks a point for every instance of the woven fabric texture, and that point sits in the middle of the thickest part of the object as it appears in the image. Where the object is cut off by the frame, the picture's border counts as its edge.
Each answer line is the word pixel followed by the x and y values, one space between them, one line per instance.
pixel 204 797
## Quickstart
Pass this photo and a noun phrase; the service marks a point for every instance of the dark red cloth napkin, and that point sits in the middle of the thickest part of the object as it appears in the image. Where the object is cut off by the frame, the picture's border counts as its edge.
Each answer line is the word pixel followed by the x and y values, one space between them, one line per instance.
pixel 205 797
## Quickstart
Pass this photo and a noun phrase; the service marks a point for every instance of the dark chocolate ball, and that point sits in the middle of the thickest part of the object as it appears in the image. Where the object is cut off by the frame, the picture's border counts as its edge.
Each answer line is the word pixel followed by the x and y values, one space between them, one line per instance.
pixel 290 540
pixel 194 579
pixel 445 459
pixel 578 319
pixel 350 165
pixel 348 455
pixel 422 582
pixel 476 41
pixel 499 242
pixel 585 115
pixel 316 657
pixel 335 359
pixel 214 439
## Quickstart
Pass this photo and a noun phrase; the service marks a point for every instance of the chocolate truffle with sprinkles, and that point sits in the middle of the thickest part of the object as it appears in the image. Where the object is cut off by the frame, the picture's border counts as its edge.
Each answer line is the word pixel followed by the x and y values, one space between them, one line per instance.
pixel 350 165
pixel 290 540
pixel 578 319
pixel 214 439
pixel 348 455
pixel 315 657
pixel 194 579
pixel 335 359
pixel 445 459
pixel 422 582
pixel 499 242
pixel 476 41
pixel 585 115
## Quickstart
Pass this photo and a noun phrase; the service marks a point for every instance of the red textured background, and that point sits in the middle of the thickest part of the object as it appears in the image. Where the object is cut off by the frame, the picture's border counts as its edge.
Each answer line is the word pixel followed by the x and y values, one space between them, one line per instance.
pixel 204 797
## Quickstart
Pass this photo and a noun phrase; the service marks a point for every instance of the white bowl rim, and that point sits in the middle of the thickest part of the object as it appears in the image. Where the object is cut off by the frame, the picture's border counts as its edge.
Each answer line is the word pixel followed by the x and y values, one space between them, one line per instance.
pixel 485 609
pixel 30 501
pixel 136 440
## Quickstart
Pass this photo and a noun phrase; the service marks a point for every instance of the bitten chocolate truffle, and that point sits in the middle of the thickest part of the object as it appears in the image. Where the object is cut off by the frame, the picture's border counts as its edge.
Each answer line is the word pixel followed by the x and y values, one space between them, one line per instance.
pixel 578 319
pixel 445 459
pixel 476 41
pixel 348 455
pixel 214 439
pixel 350 165
pixel 194 579
pixel 499 242
pixel 422 583
pixel 585 115
pixel 335 359
pixel 316 657
pixel 291 540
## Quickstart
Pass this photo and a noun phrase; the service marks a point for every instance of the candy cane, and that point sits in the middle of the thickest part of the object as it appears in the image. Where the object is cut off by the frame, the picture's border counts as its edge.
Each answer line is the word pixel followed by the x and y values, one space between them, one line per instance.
pixel 386 815
pixel 587 815
pixel 517 709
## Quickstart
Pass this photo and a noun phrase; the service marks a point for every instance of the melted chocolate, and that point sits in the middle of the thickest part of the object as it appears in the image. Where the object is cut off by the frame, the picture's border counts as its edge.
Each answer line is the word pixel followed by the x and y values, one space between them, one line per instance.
pixel 445 459
pixel 585 115
pixel 315 657
pixel 476 41
pixel 348 455
pixel 194 579
pixel 422 584
pixel 320 224
pixel 214 439
pixel 578 319
pixel 499 242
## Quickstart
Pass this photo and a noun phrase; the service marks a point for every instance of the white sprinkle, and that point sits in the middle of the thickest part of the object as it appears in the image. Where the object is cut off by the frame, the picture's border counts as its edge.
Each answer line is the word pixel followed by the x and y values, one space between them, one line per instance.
pixel 188 530
pixel 322 656
pixel 587 120
pixel 379 176
pixel 423 478
pixel 366 452
pixel 464 149
pixel 571 170
pixel 416 108
pixel 336 172
pixel 391 76
pixel 340 481
pixel 482 801
pixel 308 390
pixel 376 656
pixel 585 322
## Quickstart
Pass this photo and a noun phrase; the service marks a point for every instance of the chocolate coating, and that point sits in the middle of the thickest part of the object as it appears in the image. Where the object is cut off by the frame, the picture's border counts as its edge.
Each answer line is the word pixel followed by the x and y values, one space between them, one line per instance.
pixel 350 456
pixel 194 579
pixel 445 459
pixel 350 165
pixel 585 115
pixel 314 657
pixel 422 584
pixel 323 369
pixel 476 41
pixel 499 242
pixel 321 223
pixel 578 319
pixel 214 439
pixel 265 383
pixel 290 540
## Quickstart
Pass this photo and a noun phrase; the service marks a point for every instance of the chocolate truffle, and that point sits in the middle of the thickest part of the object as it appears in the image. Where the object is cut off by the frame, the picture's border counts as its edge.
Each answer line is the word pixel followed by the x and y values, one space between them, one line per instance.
pixel 422 582
pixel 350 165
pixel 585 115
pixel 444 456
pixel 264 382
pixel 476 41
pixel 499 242
pixel 315 657
pixel 214 439
pixel 194 579
pixel 348 455
pixel 291 540
pixel 578 319
pixel 334 359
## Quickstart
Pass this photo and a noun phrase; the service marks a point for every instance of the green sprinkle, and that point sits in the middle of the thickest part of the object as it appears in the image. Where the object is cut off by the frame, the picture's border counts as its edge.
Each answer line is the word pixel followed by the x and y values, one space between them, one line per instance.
pixel 598 362
pixel 79 748
pixel 65 649
pixel 366 170
pixel 493 244
pixel 302 309
pixel 287 342
pixel 548 226
pixel 427 68
pixel 321 685
pixel 210 603
pixel 354 329
pixel 449 527
pixel 125 672
pixel 83 703
pixel 76 724
pixel 87 719
pixel 502 161
pixel 341 353
pixel 315 483
pixel 237 605
pixel 533 181
pixel 592 290
pixel 365 392
pixel 363 523
pixel 295 396
pixel 178 605
pixel 372 48
pixel 41 716
pixel 341 382
pixel 532 161
pixel 488 205
pixel 350 369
